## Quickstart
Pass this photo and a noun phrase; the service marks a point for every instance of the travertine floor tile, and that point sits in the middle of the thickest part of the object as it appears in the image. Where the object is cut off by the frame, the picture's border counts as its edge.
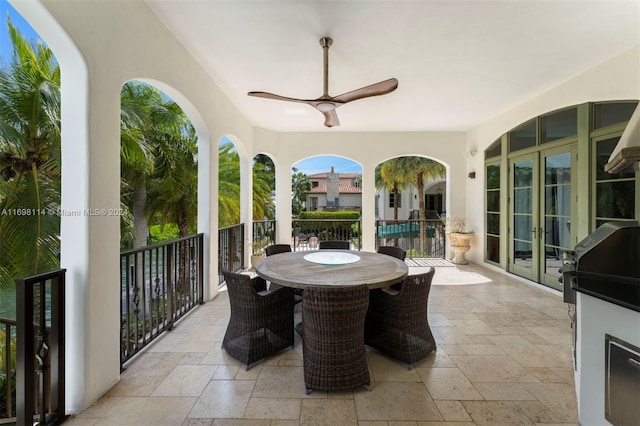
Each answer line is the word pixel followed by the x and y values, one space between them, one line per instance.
pixel 133 411
pixel 185 380
pixel 488 368
pixel 496 413
pixel 385 369
pixel 223 399
pixel 273 408
pixel 396 401
pixel 145 374
pixel 557 397
pixel 452 411
pixel 328 412
pixel 283 382
pixel 503 391
pixel 448 383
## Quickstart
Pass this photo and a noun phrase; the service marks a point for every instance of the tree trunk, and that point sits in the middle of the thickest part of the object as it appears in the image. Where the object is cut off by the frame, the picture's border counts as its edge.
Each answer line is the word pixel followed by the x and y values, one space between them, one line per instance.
pixel 183 225
pixel 140 222
pixel 395 209
pixel 421 212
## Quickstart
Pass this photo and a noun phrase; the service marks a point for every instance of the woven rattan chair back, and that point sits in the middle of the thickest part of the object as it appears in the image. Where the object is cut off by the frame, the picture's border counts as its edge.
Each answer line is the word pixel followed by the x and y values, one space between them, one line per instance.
pixel 397 324
pixel 260 324
pixel 333 337
pixel 397 252
pixel 334 244
pixel 277 249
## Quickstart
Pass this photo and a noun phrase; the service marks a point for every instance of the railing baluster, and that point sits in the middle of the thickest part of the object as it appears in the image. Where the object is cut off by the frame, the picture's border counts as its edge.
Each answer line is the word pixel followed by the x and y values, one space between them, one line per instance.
pixel 36 341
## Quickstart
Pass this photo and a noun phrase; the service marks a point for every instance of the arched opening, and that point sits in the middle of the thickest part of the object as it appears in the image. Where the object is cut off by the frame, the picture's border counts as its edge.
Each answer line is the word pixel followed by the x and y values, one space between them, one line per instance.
pixel 263 231
pixel 410 205
pixel 327 201
pixel 30 157
pixel 159 168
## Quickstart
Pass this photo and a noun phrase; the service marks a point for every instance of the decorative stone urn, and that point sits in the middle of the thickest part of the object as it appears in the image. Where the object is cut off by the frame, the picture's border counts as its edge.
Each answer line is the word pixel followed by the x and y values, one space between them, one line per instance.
pixel 255 258
pixel 460 244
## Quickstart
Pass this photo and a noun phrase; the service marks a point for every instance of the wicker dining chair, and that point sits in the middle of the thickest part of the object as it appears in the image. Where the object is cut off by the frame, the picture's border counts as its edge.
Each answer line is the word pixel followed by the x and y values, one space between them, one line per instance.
pixel 261 323
pixel 398 253
pixel 333 348
pixel 277 249
pixel 334 244
pixel 397 324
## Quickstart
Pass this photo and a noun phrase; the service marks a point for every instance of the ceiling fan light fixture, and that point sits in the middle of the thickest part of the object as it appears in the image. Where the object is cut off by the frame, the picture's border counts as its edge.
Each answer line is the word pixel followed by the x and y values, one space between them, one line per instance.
pixel 326 106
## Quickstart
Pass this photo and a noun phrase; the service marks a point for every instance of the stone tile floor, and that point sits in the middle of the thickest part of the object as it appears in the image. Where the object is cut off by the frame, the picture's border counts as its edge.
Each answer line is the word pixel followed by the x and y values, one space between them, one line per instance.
pixel 503 357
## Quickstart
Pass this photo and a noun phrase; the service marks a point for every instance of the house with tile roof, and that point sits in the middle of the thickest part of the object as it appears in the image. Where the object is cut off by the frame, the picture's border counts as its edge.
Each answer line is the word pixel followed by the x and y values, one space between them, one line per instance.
pixel 334 191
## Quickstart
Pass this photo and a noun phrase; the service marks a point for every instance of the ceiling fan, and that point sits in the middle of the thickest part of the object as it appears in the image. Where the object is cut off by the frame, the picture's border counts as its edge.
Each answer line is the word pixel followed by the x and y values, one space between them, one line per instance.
pixel 326 103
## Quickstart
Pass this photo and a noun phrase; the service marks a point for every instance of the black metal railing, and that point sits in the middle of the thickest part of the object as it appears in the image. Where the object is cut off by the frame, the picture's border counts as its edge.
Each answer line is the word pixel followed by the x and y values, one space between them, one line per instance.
pixel 159 285
pixel 8 352
pixel 307 233
pixel 40 358
pixel 230 249
pixel 263 232
pixel 420 238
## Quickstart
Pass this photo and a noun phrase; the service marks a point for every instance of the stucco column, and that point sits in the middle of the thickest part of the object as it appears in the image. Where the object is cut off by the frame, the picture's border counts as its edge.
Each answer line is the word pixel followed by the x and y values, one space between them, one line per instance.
pixel 246 203
pixel 89 223
pixel 283 204
pixel 368 207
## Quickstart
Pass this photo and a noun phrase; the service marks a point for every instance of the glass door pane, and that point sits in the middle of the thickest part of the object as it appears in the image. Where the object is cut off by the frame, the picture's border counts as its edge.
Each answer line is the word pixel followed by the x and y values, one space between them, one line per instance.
pixel 523 259
pixel 556 209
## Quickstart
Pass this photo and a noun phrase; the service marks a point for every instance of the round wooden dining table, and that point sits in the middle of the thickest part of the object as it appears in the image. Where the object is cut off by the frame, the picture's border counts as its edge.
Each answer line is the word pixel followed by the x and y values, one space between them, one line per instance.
pixel 332 268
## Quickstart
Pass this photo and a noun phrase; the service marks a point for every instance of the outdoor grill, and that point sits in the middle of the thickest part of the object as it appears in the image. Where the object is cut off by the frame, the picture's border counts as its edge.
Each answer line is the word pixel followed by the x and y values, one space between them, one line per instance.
pixel 606 265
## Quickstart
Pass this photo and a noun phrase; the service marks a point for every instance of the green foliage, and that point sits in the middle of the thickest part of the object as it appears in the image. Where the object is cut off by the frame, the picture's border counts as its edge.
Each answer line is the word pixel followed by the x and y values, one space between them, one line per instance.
pixel 228 186
pixel 341 215
pixel 329 225
pixel 159 169
pixel 3 375
pixel 30 165
pixel 160 233
pixel 300 185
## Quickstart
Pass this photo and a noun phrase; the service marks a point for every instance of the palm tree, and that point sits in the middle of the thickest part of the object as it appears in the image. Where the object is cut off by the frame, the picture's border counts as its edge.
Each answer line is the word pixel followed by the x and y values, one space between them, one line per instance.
pixel 228 185
pixel 393 176
pixel 173 188
pixel 300 185
pixel 423 169
pixel 263 188
pixel 30 165
pixel 154 131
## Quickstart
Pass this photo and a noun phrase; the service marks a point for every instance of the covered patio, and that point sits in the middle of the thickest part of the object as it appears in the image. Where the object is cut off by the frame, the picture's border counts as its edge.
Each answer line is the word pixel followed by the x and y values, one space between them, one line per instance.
pixel 504 345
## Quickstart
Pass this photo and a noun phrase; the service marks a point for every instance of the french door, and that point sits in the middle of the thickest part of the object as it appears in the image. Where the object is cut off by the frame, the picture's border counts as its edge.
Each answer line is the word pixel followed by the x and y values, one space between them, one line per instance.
pixel 541 210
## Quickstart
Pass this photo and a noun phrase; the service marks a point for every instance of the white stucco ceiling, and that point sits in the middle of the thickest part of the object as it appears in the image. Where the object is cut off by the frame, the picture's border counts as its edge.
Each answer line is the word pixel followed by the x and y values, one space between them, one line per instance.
pixel 458 63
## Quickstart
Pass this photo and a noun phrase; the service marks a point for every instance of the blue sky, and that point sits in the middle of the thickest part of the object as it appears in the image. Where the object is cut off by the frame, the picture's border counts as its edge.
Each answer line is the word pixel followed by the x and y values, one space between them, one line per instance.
pixel 323 163
pixel 309 166
pixel 18 22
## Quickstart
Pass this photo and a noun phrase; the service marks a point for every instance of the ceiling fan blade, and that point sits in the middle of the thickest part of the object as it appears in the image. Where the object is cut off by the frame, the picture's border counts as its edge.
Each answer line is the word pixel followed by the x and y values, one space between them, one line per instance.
pixel 331 118
pixel 267 95
pixel 381 88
